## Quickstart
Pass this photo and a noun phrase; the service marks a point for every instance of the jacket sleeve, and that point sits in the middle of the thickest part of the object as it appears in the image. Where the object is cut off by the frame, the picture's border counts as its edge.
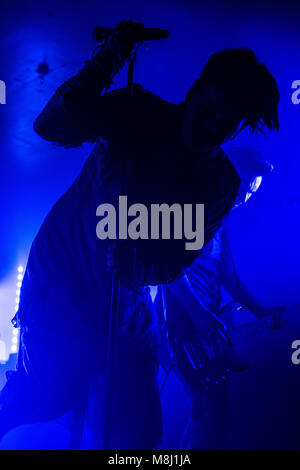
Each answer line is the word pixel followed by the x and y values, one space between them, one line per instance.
pixel 104 117
pixel 81 110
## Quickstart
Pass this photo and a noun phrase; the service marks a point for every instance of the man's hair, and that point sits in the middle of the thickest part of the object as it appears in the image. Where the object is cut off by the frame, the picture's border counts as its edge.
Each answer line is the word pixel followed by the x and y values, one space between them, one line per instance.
pixel 249 83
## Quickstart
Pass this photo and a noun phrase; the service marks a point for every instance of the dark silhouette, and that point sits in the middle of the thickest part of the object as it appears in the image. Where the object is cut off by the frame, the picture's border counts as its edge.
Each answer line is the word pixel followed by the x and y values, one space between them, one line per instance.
pixel 156 152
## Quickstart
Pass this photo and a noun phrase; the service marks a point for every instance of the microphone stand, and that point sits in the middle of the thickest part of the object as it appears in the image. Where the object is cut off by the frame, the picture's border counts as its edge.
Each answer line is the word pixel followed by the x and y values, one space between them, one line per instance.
pixel 112 334
pixel 114 316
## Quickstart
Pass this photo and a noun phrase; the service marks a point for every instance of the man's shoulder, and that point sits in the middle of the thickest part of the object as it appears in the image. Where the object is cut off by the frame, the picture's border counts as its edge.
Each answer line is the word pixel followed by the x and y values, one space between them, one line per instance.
pixel 140 95
pixel 142 92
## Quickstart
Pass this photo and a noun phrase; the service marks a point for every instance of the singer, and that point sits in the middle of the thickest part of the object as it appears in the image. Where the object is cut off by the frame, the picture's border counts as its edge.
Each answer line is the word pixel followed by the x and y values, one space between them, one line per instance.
pixel 152 151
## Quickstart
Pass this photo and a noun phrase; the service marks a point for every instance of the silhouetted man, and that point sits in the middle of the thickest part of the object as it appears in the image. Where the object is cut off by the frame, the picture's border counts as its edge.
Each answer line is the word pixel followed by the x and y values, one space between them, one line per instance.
pixel 153 151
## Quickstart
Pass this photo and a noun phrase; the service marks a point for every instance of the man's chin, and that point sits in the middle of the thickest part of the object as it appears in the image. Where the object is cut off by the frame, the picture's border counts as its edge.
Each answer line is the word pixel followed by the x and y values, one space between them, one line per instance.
pixel 206 148
pixel 196 144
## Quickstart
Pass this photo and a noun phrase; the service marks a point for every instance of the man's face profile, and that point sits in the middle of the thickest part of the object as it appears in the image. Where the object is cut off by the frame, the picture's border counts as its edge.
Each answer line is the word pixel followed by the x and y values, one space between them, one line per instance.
pixel 210 118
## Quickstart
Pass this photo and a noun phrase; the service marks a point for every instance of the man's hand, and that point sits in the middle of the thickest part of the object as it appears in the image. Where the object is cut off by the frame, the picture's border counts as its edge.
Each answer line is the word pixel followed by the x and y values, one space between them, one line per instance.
pixel 128 31
pixel 203 356
pixel 125 38
pixel 276 315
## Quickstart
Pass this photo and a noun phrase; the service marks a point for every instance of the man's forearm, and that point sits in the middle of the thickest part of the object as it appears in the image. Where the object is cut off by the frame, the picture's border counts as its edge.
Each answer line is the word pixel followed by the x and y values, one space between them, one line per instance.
pixel 97 74
pixel 189 302
pixel 76 112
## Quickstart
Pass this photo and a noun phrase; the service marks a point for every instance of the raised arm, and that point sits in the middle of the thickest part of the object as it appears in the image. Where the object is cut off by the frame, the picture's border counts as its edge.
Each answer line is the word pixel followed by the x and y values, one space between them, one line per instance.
pixel 79 111
pixel 188 301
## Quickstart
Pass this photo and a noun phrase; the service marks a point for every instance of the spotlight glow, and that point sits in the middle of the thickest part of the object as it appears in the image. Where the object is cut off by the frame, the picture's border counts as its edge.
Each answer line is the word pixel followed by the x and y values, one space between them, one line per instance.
pixel 256 184
pixel 20 270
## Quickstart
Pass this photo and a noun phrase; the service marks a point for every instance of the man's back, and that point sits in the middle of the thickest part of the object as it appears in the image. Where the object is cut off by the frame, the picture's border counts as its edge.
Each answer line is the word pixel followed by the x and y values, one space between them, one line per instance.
pixel 140 155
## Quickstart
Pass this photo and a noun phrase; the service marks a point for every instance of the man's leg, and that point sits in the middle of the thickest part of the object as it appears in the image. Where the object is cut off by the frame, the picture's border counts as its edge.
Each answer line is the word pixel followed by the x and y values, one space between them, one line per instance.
pixel 49 380
pixel 211 419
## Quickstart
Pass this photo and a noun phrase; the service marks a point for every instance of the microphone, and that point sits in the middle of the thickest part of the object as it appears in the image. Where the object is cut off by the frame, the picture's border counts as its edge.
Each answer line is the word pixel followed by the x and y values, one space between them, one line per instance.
pixel 147 34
